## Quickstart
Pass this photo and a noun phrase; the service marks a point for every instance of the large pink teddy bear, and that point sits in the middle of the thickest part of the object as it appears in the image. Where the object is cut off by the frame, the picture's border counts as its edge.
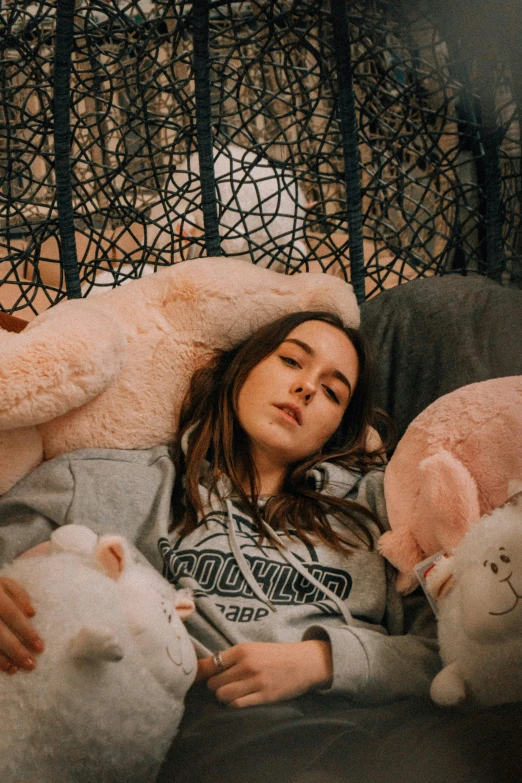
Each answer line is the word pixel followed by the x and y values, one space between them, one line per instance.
pixel 457 461
pixel 111 370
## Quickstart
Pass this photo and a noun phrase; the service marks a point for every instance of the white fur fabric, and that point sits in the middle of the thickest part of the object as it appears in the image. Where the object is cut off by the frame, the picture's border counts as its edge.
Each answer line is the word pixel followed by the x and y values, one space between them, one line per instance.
pixel 81 722
pixel 480 615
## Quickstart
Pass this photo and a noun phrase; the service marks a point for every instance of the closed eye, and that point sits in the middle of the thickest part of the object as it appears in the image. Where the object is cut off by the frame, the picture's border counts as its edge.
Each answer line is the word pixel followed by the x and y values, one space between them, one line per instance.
pixel 331 393
pixel 290 361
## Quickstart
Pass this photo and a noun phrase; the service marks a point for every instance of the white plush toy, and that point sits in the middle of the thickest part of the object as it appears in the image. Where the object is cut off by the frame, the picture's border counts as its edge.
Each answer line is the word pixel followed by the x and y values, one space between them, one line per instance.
pixel 107 693
pixel 479 590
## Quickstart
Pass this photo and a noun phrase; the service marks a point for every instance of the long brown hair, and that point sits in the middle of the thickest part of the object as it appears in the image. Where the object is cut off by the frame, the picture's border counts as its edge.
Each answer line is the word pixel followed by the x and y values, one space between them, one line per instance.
pixel 209 411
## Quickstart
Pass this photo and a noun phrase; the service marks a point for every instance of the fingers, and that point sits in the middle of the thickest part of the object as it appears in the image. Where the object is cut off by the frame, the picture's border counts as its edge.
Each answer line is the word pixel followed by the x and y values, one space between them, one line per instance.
pixel 18 594
pixel 18 639
pixel 233 684
pixel 207 667
pixel 221 680
pixel 234 693
pixel 250 700
pixel 265 672
pixel 6 665
pixel 13 648
pixel 238 685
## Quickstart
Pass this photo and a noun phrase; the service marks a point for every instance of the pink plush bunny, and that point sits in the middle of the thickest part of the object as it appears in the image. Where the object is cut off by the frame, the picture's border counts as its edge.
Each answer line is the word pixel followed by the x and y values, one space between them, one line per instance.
pixel 458 460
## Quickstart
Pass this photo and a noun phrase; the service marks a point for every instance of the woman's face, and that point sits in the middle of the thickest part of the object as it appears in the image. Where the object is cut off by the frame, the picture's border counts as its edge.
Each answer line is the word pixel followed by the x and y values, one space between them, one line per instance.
pixel 293 401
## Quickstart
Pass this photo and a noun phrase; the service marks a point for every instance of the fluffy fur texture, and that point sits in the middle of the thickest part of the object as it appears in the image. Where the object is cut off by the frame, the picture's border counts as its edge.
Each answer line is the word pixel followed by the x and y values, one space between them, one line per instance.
pixel 111 370
pixel 455 463
pixel 105 700
pixel 480 612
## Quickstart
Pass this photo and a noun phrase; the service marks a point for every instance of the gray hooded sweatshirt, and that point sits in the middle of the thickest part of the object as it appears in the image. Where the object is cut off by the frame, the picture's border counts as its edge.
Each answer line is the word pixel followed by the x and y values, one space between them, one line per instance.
pixel 279 590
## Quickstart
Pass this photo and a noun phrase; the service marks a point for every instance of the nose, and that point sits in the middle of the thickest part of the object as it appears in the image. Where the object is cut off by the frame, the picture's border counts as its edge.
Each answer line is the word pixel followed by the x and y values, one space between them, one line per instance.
pixel 304 388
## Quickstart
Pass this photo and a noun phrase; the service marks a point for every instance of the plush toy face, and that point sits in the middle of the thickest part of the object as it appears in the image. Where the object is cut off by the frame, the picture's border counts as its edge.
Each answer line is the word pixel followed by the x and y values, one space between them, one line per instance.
pixel 155 615
pixel 492 591
pixel 153 608
pixel 488 573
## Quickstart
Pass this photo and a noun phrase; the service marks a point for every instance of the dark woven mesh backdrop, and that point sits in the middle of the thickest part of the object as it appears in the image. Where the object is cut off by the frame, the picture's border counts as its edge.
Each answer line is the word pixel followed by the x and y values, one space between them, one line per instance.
pixel 438 141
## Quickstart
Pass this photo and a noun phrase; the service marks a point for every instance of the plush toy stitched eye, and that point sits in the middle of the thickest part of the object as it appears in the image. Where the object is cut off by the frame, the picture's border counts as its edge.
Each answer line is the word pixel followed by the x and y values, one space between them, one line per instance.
pixel 505 559
pixel 494 568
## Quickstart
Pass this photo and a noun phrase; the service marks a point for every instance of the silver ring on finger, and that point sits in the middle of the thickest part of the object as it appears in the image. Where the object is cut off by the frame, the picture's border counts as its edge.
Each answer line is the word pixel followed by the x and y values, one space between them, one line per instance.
pixel 218 661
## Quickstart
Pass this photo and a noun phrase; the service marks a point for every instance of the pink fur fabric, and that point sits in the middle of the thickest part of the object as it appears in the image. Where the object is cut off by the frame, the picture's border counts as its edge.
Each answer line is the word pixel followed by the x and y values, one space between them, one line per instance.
pixel 110 371
pixel 458 460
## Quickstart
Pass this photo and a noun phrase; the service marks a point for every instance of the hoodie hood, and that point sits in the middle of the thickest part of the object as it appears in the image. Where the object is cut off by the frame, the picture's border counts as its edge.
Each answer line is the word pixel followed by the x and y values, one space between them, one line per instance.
pixel 326 477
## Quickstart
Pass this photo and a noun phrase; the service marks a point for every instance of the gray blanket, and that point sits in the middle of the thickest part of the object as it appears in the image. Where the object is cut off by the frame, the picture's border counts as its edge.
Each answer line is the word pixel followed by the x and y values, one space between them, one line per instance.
pixel 433 336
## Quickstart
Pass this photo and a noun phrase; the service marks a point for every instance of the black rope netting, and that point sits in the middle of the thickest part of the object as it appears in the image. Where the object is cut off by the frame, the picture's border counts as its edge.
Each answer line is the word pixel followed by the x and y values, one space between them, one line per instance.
pixel 374 140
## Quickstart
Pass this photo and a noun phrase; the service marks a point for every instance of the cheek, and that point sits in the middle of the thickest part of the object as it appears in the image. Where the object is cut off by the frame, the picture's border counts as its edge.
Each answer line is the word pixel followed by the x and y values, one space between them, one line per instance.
pixel 327 424
pixel 247 400
pixel 255 390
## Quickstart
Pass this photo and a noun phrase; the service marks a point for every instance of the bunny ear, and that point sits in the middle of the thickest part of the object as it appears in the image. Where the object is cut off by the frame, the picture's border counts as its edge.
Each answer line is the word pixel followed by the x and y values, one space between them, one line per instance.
pixel 110 554
pixel 450 492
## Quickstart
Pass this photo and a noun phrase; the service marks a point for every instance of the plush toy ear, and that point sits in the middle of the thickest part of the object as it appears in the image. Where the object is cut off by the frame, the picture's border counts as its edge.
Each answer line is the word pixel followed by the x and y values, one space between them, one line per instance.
pixel 401 548
pixel 110 554
pixel 184 604
pixel 440 577
pixel 450 492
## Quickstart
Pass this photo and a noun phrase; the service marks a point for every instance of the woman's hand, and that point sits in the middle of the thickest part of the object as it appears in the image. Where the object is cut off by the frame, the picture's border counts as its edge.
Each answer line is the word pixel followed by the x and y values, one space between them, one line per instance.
pixel 264 672
pixel 18 639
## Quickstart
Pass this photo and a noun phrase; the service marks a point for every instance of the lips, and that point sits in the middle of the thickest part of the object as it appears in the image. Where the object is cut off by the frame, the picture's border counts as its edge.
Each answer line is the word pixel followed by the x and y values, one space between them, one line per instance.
pixel 292 411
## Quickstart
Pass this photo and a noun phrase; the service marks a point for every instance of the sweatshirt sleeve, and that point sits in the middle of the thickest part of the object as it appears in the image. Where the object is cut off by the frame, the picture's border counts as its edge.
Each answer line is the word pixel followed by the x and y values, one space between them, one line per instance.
pixel 34 507
pixel 122 492
pixel 398 659
pixel 371 666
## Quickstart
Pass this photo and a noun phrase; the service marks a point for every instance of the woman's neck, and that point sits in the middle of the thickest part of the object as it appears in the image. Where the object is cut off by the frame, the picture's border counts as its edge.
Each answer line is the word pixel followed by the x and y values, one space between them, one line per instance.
pixel 270 484
pixel 270 478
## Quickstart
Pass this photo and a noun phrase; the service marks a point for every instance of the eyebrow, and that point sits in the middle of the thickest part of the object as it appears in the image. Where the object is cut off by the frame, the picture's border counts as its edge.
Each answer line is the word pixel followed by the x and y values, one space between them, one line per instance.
pixel 310 351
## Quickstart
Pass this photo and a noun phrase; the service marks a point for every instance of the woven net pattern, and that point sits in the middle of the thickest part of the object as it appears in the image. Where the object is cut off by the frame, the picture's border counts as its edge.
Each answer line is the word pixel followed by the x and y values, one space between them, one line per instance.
pixel 279 151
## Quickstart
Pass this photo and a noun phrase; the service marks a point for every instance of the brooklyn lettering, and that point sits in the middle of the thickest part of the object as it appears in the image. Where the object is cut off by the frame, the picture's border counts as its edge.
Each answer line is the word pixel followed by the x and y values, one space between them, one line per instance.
pixel 218 573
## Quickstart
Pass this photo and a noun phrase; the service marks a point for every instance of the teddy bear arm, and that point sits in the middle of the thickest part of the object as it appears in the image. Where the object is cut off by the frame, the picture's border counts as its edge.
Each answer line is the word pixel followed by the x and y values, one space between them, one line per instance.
pixel 448 688
pixel 21 450
pixel 57 364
